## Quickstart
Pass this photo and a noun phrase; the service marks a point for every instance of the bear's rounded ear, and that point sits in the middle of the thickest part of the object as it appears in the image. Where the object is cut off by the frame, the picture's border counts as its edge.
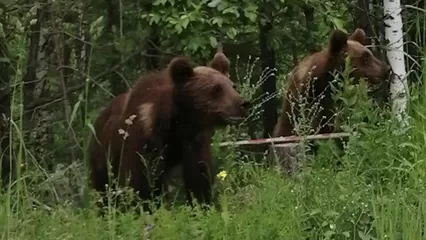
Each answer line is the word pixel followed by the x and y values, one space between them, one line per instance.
pixel 338 40
pixel 180 70
pixel 220 62
pixel 358 35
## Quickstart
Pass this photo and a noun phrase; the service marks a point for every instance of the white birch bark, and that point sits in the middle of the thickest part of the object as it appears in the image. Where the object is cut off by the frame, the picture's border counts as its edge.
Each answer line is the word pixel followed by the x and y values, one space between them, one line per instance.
pixel 395 54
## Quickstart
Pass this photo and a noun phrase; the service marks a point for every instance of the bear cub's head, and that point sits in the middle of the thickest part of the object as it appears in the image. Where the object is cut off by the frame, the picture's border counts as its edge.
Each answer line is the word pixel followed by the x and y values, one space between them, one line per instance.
pixel 364 63
pixel 206 92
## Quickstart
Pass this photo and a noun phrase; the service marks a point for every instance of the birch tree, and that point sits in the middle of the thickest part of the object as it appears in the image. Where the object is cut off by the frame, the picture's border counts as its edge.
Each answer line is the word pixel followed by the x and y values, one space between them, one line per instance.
pixel 395 54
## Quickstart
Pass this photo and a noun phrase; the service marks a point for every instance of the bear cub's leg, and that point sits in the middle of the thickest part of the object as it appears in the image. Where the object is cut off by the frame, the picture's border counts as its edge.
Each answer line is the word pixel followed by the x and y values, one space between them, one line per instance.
pixel 197 172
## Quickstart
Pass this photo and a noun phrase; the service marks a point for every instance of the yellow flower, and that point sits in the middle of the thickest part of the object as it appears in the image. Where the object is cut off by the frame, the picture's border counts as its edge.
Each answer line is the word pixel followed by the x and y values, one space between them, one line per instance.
pixel 221 175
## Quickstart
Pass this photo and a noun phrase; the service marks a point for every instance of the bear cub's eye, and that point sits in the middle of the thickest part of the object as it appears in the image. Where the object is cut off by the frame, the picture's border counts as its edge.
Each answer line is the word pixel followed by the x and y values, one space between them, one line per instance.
pixel 234 86
pixel 217 91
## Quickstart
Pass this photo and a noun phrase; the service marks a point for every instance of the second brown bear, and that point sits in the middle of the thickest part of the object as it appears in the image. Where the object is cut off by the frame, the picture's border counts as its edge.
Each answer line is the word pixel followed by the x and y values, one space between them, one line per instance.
pixel 314 72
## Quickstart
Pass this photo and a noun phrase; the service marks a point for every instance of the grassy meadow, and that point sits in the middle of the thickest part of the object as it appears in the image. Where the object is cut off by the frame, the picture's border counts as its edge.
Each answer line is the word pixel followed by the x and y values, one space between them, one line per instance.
pixel 377 193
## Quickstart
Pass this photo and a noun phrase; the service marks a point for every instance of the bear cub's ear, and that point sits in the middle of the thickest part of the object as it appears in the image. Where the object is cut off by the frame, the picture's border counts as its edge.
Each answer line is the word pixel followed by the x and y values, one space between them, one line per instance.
pixel 358 35
pixel 180 70
pixel 220 62
pixel 338 41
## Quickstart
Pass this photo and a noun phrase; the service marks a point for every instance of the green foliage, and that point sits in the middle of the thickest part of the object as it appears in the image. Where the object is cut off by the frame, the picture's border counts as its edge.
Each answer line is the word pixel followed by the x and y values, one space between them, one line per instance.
pixel 378 194
pixel 198 26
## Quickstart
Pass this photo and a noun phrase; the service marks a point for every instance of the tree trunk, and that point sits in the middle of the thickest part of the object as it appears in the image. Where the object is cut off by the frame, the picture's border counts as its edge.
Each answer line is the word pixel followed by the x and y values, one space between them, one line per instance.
pixel 152 53
pixel 30 75
pixel 393 32
pixel 7 160
pixel 152 44
pixel 267 58
pixel 415 40
pixel 310 27
pixel 38 122
pixel 82 50
pixel 59 56
pixel 362 19
pixel 115 31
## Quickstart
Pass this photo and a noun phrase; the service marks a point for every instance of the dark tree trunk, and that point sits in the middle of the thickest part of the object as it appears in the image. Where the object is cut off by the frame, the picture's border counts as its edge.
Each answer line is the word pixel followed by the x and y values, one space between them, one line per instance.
pixel 310 28
pixel 7 162
pixel 152 45
pixel 67 60
pixel 267 58
pixel 30 75
pixel 113 25
pixel 82 50
pixel 414 41
pixel 152 53
pixel 362 19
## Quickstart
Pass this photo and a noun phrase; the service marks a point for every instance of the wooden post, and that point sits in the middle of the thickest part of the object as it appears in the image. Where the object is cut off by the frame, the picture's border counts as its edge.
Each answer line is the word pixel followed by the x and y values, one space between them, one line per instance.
pixel 287 155
pixel 173 184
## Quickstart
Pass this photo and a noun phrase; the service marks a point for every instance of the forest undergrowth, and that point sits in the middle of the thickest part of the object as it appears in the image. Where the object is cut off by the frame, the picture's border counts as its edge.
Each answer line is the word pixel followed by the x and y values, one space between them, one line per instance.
pixel 376 193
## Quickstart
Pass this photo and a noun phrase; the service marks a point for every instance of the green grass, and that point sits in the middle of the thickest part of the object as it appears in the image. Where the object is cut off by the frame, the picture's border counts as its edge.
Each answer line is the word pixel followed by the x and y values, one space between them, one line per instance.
pixel 379 194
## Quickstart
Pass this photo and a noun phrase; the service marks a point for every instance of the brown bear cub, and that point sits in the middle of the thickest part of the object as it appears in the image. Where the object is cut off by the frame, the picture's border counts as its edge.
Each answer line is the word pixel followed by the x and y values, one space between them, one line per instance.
pixel 167 118
pixel 315 72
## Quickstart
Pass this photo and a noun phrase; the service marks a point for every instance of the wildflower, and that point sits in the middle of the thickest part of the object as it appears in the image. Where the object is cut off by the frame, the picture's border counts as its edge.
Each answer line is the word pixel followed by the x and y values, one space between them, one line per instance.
pixel 128 121
pixel 222 175
pixel 126 134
